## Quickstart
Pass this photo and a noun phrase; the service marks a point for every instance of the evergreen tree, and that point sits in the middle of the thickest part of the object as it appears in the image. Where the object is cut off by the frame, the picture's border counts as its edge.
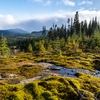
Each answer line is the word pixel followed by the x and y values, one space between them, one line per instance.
pixel 71 28
pixel 41 46
pixel 4 50
pixel 76 23
pixel 56 44
pixel 90 29
pixel 85 27
pixel 62 43
pixel 30 48
pixel 68 21
pixel 95 38
pixel 44 31
pixel 60 53
pixel 49 48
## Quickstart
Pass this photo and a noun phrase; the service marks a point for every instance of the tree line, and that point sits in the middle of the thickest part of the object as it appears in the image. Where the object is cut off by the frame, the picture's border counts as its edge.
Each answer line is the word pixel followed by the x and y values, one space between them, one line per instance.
pixel 74 27
pixel 76 37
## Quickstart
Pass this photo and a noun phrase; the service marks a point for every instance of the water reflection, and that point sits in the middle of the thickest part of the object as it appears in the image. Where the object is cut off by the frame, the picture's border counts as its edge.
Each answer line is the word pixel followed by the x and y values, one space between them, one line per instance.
pixel 72 71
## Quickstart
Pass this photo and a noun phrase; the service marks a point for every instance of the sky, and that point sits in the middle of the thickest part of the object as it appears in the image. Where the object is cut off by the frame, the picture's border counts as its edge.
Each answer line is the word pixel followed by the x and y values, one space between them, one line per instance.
pixel 32 15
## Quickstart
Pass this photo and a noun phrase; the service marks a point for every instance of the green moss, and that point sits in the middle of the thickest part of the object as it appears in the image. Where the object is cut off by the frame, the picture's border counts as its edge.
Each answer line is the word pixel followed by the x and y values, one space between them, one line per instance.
pixel 59 87
pixel 75 83
pixel 53 88
pixel 30 70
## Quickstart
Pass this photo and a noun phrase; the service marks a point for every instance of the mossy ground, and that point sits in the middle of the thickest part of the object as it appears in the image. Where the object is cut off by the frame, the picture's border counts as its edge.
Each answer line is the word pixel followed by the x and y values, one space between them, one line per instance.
pixel 54 88
pixel 71 60
pixel 21 64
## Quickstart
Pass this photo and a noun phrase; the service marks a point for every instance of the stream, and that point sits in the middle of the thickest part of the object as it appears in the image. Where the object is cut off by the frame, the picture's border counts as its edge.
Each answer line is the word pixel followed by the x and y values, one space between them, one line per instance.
pixel 53 70
pixel 72 71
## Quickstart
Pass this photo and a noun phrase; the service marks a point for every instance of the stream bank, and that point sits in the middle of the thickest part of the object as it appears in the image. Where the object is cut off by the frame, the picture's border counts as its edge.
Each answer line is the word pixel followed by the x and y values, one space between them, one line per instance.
pixel 53 70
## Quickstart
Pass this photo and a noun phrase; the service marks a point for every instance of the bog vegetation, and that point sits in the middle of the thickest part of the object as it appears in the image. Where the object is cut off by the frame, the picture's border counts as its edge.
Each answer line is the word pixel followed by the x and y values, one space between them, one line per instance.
pixel 77 46
pixel 84 87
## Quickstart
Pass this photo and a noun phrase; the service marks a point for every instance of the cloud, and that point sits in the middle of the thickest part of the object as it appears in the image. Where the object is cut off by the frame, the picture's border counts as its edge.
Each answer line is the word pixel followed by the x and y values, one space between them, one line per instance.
pixel 36 22
pixel 9 19
pixel 47 3
pixel 88 15
pixel 58 18
pixel 86 2
pixel 6 21
pixel 68 2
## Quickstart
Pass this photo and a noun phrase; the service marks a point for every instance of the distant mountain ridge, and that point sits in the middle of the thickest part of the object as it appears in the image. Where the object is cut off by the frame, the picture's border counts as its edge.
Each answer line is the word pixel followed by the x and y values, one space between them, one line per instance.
pixel 20 31
pixel 13 31
pixel 39 32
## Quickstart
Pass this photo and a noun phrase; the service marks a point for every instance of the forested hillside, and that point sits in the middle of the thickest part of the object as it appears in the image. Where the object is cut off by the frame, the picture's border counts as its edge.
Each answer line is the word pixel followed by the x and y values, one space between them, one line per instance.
pixel 76 37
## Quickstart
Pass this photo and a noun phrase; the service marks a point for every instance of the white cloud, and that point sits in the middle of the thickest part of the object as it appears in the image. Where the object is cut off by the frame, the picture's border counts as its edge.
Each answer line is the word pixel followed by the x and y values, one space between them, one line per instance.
pixel 60 18
pixel 9 19
pixel 1 16
pixel 47 3
pixel 6 20
pixel 35 22
pixel 88 15
pixel 68 2
pixel 86 2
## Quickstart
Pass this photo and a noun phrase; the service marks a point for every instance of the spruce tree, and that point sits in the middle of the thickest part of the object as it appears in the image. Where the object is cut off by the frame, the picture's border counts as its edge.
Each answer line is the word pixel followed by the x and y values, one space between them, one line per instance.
pixel 30 48
pixel 44 31
pixel 76 23
pixel 4 50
